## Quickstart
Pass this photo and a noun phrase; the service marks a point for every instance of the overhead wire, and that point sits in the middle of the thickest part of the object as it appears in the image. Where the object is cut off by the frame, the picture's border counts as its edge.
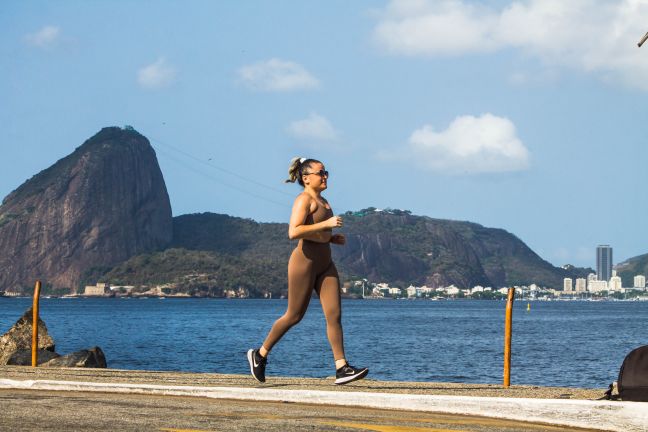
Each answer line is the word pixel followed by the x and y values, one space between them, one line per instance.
pixel 225 170
pixel 209 176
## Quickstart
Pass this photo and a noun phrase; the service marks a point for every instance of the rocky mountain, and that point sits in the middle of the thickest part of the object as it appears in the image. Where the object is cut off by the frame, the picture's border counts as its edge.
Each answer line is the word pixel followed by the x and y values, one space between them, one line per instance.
pixel 96 207
pixel 223 252
pixel 103 214
pixel 632 267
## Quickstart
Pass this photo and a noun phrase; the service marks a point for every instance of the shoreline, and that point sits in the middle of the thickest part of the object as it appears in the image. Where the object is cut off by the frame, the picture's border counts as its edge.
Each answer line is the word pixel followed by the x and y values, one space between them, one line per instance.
pixel 163 297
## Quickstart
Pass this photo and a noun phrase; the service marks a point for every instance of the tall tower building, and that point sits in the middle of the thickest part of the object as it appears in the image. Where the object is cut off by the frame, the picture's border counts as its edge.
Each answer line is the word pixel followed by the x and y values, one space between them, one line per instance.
pixel 603 262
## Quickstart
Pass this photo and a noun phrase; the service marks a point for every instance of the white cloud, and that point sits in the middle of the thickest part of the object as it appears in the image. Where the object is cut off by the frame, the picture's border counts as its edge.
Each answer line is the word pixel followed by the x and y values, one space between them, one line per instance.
pixel 45 37
pixel 156 75
pixel 591 36
pixel 277 75
pixel 439 27
pixel 314 127
pixel 470 145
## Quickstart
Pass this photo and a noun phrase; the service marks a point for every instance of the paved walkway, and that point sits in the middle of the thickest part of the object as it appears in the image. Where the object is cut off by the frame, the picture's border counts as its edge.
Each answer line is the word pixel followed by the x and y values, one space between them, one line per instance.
pixel 549 405
pixel 29 411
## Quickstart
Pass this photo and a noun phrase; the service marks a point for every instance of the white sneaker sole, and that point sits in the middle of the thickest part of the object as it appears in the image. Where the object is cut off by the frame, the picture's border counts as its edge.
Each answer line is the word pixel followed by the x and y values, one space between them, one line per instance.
pixel 348 379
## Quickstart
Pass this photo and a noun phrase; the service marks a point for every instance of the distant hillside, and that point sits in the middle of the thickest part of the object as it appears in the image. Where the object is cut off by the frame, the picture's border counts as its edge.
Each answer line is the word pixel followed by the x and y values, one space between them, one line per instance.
pixel 200 273
pixel 102 213
pixel 404 248
pixel 211 253
pixel 383 246
pixel 232 235
pixel 632 267
pixel 98 206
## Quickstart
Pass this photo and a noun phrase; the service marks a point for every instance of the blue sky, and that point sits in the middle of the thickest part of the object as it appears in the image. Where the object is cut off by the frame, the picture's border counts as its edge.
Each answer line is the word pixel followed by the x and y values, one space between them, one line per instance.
pixel 527 115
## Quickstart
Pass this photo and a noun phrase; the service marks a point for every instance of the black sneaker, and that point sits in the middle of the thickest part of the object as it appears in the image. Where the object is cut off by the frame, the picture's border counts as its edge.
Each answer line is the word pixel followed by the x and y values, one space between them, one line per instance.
pixel 348 373
pixel 257 364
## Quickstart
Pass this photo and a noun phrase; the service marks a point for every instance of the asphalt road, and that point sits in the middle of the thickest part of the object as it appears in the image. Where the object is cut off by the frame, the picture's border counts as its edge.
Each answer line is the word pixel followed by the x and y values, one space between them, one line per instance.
pixel 32 410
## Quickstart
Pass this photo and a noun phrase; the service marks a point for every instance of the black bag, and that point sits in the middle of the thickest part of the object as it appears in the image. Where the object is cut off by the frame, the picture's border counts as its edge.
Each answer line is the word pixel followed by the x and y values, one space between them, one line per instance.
pixel 633 377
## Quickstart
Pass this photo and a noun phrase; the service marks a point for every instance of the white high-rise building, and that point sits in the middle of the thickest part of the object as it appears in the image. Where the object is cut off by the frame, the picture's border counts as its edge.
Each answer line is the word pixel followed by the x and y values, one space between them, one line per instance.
pixel 581 285
pixel 615 284
pixel 591 277
pixel 567 285
pixel 597 286
pixel 640 281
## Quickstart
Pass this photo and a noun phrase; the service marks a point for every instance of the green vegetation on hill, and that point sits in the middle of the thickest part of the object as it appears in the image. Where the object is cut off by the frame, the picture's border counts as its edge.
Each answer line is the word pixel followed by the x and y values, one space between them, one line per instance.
pixel 200 273
pixel 232 235
pixel 632 267
pixel 212 253
pixel 403 248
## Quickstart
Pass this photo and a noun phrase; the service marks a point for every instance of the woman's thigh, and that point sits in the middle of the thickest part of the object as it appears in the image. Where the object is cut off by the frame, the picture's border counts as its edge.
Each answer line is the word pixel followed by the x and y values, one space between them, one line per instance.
pixel 301 280
pixel 327 286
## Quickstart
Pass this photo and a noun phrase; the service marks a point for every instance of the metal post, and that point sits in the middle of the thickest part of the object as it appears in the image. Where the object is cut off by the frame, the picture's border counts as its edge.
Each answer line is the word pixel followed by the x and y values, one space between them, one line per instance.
pixel 37 289
pixel 508 330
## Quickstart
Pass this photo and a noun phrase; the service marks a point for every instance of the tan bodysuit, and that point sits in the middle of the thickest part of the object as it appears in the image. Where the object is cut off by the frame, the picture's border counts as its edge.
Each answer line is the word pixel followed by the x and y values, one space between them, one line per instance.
pixel 310 268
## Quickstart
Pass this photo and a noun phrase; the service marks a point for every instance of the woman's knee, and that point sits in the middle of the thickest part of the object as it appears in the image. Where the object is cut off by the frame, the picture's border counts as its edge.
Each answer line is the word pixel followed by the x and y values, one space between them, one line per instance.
pixel 292 318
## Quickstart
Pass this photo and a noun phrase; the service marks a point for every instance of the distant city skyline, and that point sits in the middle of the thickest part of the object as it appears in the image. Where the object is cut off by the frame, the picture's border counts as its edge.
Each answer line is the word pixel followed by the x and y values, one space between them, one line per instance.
pixel 493 113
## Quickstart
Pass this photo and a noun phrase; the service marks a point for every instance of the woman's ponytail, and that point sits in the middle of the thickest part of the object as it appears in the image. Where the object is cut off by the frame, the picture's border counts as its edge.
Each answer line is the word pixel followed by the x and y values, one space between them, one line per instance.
pixel 294 170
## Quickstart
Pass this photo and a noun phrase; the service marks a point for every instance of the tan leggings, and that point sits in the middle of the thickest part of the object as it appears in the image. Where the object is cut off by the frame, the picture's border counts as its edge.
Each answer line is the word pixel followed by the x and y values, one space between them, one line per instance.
pixel 310 268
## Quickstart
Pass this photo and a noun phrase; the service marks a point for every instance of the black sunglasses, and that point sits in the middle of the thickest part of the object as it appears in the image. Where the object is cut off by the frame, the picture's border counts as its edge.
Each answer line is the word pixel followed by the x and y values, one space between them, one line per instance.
pixel 321 173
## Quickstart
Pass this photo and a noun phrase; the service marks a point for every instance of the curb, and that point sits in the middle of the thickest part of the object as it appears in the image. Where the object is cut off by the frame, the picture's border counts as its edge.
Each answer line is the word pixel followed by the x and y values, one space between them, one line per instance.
pixel 602 415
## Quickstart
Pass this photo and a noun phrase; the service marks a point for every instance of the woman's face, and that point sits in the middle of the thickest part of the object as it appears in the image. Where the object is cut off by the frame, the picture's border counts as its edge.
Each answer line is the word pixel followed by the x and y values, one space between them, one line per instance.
pixel 314 176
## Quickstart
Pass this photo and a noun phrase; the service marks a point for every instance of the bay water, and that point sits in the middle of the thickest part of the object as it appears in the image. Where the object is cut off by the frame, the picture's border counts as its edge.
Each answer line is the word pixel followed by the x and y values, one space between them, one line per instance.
pixel 559 343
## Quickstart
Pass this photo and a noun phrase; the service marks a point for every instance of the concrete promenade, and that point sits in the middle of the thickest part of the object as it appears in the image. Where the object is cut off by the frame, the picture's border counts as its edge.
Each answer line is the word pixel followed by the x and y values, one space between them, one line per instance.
pixel 378 405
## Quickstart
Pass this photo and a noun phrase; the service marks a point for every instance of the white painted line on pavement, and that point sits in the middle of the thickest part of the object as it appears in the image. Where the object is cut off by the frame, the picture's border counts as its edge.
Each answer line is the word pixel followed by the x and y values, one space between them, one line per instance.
pixel 603 415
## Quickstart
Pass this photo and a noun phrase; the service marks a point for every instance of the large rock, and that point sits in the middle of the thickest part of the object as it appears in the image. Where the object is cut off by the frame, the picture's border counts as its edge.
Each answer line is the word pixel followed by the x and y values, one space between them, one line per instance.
pixel 98 206
pixel 24 357
pixel 15 348
pixel 19 338
pixel 90 358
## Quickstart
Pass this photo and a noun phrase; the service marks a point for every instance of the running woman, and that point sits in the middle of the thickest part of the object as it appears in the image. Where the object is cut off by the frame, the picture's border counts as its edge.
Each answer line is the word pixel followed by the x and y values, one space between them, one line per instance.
pixel 310 268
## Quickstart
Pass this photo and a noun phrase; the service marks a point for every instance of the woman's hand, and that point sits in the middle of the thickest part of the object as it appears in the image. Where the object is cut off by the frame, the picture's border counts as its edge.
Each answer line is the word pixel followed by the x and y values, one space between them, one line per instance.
pixel 334 222
pixel 338 239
